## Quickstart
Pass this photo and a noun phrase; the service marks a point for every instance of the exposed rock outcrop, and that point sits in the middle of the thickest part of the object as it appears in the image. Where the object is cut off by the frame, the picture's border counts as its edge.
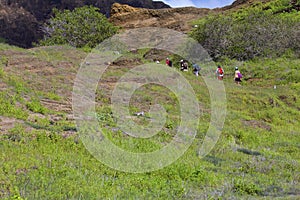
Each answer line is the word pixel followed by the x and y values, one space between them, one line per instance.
pixel 174 18
pixel 105 5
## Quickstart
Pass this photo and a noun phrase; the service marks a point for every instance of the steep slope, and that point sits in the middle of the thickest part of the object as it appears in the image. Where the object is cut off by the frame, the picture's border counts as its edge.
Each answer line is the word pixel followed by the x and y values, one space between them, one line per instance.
pixel 256 157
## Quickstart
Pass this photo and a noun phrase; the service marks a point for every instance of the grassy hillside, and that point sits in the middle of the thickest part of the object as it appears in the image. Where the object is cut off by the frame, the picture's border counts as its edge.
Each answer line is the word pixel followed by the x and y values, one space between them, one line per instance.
pixel 42 156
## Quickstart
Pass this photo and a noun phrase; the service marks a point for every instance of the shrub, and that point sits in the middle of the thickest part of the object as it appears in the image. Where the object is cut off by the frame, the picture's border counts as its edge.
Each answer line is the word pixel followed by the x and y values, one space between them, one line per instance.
pixel 83 27
pixel 246 187
pixel 249 35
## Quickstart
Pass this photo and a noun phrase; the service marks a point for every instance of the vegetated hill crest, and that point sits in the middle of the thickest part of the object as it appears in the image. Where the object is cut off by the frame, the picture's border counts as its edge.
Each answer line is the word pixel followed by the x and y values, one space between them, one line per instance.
pixel 21 20
pixel 179 19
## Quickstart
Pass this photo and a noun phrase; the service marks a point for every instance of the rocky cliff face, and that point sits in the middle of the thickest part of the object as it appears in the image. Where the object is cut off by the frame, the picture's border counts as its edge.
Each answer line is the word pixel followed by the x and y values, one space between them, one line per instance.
pixel 20 20
pixel 18 26
pixel 105 5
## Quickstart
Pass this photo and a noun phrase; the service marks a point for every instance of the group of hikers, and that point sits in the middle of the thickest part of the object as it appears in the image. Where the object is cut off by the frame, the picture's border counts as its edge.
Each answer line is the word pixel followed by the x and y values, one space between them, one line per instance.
pixel 184 66
pixel 237 74
pixel 196 69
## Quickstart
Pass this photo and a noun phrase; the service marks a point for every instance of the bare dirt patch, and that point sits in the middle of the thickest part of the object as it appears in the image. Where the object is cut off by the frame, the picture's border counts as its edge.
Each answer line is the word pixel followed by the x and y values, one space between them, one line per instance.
pixel 7 123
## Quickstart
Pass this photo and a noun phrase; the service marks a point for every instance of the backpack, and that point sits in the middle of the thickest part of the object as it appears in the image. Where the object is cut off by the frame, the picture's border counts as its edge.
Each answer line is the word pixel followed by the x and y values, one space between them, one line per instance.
pixel 221 71
pixel 196 67
pixel 240 75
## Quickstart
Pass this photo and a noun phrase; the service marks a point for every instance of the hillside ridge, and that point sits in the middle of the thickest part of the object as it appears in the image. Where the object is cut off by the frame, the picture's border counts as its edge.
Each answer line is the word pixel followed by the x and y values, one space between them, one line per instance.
pixel 21 21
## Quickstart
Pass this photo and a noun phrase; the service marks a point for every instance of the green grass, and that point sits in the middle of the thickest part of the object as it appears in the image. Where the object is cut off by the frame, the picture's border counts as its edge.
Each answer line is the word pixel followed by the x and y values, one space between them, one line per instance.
pixel 256 156
pixel 9 108
pixel 36 107
pixel 4 46
pixel 55 54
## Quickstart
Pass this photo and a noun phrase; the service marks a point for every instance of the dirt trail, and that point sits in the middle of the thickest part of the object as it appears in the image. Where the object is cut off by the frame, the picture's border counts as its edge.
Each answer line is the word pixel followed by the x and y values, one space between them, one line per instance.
pixel 7 123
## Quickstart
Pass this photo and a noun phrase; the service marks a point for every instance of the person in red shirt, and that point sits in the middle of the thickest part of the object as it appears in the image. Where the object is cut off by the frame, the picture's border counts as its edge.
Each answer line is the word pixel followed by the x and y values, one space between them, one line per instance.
pixel 220 73
pixel 167 61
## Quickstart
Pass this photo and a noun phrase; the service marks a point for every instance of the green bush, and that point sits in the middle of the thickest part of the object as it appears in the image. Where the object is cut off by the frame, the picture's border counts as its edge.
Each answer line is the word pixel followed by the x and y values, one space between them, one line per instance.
pixel 244 187
pixel 248 34
pixel 83 27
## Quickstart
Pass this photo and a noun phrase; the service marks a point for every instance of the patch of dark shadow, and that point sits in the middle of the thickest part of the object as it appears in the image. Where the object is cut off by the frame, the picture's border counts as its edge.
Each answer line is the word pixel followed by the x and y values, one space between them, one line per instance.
pixel 282 97
pixel 249 152
pixel 257 124
pixel 52 128
pixel 212 159
pixel 36 126
pixel 69 128
pixel 293 192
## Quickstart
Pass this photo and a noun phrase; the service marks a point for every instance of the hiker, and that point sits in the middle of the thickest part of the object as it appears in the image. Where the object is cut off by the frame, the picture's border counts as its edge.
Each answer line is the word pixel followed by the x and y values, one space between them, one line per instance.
pixel 196 69
pixel 169 62
pixel 184 65
pixel 237 76
pixel 181 65
pixel 220 73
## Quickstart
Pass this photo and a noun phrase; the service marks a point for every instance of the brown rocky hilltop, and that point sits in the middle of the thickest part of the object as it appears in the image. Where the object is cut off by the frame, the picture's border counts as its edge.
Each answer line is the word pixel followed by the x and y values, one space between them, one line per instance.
pixel 174 18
